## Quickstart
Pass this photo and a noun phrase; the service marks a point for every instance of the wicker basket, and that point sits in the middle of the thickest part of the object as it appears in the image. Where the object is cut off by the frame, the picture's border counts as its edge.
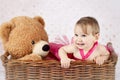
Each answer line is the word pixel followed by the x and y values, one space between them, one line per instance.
pixel 51 70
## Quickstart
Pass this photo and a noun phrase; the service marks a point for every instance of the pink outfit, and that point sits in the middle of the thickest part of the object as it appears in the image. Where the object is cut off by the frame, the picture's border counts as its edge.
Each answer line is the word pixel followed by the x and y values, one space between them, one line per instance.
pixel 84 57
pixel 55 46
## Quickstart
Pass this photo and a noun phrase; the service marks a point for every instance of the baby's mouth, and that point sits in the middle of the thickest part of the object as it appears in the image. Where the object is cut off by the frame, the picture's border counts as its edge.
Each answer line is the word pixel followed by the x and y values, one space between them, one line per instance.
pixel 81 44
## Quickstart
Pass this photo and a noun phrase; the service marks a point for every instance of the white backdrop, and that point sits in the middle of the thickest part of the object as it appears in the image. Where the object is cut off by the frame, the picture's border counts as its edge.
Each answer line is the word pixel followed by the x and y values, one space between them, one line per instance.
pixel 61 15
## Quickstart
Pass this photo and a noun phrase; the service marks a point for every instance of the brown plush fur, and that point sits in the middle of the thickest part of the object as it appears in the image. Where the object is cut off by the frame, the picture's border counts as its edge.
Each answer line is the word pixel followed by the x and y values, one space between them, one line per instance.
pixel 17 35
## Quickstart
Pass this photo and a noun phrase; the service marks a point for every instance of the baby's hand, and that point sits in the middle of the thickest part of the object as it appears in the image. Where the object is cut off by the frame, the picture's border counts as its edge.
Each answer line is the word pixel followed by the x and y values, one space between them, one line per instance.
pixel 65 63
pixel 100 60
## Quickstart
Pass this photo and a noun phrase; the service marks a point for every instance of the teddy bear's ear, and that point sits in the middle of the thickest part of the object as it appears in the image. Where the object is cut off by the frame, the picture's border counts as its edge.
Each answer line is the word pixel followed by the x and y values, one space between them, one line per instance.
pixel 40 19
pixel 5 30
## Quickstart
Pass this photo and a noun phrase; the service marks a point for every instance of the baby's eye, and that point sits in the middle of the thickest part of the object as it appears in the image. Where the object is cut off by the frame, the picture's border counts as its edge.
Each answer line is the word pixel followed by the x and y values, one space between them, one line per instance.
pixel 83 35
pixel 76 34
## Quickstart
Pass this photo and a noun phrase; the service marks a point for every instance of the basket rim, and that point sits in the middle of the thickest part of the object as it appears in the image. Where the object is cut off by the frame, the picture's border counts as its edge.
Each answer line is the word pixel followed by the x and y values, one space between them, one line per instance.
pixel 112 60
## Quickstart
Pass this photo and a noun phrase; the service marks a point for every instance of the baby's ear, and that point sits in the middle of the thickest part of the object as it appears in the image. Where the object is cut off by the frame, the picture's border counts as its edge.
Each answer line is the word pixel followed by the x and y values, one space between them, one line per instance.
pixel 5 30
pixel 97 36
pixel 39 19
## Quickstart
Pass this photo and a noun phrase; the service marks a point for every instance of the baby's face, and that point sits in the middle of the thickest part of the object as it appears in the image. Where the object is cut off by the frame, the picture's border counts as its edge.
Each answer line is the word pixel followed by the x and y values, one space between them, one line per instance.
pixel 83 40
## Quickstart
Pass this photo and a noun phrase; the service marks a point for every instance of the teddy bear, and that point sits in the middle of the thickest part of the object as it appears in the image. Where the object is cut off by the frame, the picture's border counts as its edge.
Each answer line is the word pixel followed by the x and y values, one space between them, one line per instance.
pixel 24 38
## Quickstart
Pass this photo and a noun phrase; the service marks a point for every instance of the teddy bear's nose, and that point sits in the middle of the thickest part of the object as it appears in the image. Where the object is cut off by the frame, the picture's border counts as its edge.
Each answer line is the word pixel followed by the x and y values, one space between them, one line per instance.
pixel 46 47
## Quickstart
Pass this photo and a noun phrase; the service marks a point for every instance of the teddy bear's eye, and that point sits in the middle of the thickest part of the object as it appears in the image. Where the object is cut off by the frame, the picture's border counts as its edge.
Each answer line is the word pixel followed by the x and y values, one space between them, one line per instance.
pixel 33 42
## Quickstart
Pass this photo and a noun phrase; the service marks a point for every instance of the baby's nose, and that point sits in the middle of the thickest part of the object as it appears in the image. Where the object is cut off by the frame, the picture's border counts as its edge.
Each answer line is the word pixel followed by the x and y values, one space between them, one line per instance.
pixel 46 47
pixel 79 39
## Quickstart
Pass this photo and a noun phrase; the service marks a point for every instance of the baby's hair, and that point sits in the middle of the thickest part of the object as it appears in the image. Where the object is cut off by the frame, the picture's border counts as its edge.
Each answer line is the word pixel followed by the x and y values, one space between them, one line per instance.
pixel 84 22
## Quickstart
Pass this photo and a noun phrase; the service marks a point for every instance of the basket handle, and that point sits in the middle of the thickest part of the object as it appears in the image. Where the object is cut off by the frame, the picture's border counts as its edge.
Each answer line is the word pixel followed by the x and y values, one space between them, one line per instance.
pixel 112 51
pixel 4 58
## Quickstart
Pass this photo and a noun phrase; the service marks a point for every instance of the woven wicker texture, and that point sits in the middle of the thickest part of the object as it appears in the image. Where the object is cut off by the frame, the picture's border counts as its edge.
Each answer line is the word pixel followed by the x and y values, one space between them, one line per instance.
pixel 51 70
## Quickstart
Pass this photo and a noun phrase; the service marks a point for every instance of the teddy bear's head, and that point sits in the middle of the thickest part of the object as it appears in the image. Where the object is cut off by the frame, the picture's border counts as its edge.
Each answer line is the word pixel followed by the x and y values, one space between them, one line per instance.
pixel 24 35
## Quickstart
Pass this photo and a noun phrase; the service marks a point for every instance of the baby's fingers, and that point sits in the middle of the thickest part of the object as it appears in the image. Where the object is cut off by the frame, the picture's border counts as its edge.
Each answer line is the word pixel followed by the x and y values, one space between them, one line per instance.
pixel 65 65
pixel 99 62
pixel 73 60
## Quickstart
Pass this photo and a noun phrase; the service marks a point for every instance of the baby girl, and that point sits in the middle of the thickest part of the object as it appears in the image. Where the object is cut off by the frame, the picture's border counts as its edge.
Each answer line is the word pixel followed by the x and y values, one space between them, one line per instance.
pixel 84 46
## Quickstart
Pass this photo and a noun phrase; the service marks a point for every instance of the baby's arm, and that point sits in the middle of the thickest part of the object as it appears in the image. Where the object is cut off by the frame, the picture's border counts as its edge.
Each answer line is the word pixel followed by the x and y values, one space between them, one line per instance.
pixel 65 61
pixel 104 55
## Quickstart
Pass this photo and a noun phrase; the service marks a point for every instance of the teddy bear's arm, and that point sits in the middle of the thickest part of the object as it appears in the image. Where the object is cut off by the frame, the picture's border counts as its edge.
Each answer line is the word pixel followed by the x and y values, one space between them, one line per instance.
pixel 32 57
